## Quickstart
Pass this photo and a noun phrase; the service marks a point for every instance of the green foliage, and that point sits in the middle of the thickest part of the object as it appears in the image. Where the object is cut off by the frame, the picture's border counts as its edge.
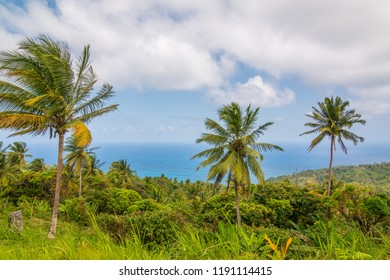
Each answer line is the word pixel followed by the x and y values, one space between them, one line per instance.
pixel 114 201
pixel 362 205
pixel 375 175
pixel 257 214
pixel 167 219
pixel 220 207
pixel 116 226
pixel 152 228
pixel 75 210
pixel 283 210
pixel 156 228
pixel 144 205
pixel 34 207
pixel 289 202
pixel 336 239
pixel 35 185
pixel 120 200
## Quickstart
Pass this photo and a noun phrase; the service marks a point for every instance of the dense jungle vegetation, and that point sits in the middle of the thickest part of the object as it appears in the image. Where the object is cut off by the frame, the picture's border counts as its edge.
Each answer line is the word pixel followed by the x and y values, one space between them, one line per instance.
pixel 122 216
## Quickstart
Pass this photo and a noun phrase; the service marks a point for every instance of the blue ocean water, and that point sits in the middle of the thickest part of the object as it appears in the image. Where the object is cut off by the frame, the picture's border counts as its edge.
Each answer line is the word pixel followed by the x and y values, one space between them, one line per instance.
pixel 173 160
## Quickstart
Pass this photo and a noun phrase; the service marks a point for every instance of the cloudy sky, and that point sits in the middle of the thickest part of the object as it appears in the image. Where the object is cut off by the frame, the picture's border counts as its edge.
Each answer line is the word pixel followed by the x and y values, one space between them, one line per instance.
pixel 173 63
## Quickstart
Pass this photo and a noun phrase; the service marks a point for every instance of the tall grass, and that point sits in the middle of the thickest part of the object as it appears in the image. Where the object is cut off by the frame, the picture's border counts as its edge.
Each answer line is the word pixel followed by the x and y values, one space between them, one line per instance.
pixel 324 240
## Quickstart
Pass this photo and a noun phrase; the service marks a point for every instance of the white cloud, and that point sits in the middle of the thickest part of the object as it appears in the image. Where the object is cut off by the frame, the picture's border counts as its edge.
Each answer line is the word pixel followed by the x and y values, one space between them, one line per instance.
pixel 165 128
pixel 172 44
pixel 372 100
pixel 256 92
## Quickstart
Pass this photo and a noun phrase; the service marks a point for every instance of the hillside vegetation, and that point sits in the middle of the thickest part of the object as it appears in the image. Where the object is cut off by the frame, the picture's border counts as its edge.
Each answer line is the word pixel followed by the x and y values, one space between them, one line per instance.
pixel 123 216
pixel 376 175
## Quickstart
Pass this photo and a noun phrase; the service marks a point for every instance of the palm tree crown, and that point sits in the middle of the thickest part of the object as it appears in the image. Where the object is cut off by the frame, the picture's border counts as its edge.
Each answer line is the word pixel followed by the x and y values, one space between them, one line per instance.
pixel 45 91
pixel 332 119
pixel 18 153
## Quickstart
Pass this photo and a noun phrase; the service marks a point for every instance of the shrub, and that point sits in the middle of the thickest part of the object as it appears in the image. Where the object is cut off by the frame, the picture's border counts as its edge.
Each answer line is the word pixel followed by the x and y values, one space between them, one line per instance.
pixel 153 228
pixel 283 210
pixel 120 200
pixel 158 227
pixel 118 227
pixel 34 207
pixel 144 205
pixel 220 207
pixel 257 214
pixel 114 201
pixel 75 210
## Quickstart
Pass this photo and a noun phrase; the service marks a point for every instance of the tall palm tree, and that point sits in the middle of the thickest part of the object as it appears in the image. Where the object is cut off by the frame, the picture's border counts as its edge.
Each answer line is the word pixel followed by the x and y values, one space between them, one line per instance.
pixel 78 158
pixel 235 152
pixel 17 154
pixel 332 119
pixel 46 91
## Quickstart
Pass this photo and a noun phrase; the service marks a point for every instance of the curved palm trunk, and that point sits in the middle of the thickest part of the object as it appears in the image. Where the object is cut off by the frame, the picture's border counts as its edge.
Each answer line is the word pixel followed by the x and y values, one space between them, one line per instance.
pixel 53 225
pixel 330 174
pixel 80 184
pixel 237 204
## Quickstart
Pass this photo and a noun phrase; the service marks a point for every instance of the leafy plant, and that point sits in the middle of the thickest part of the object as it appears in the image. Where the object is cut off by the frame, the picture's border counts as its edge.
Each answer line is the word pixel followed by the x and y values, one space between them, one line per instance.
pixel 280 253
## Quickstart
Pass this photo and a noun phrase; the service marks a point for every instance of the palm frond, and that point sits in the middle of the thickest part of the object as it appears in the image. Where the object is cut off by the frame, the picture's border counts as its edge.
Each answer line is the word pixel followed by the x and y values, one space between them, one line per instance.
pixel 88 117
pixel 80 133
pixel 95 103
pixel 316 141
pixel 266 147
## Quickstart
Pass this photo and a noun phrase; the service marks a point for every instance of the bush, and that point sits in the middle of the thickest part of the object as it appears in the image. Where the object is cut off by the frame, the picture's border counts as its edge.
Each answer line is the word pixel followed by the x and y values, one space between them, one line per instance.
pixel 283 210
pixel 120 200
pixel 220 207
pixel 75 210
pixel 153 228
pixel 297 204
pixel 118 227
pixel 34 207
pixel 144 205
pixel 257 214
pixel 114 201
pixel 158 227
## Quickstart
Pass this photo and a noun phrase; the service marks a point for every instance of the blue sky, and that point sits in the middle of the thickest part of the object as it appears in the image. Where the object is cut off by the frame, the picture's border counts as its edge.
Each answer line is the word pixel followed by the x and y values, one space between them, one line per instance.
pixel 173 63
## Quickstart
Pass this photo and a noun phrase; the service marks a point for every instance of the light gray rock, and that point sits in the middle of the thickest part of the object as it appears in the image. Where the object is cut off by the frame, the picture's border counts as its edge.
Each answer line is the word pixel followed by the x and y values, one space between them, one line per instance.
pixel 15 221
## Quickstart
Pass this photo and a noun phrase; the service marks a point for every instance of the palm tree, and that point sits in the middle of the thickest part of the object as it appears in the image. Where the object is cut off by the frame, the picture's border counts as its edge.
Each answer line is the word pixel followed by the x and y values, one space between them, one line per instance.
pixel 7 171
pixel 37 165
pixel 332 119
pixel 96 165
pixel 235 152
pixel 120 173
pixel 77 158
pixel 18 153
pixel 46 91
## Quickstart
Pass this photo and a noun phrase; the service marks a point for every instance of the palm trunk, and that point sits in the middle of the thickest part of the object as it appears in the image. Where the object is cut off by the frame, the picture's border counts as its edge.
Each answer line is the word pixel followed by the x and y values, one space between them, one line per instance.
pixel 80 184
pixel 330 175
pixel 53 226
pixel 237 204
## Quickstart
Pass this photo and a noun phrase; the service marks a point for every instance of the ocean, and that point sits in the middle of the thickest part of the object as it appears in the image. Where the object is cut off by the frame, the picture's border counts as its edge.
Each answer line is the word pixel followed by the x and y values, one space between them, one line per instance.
pixel 173 160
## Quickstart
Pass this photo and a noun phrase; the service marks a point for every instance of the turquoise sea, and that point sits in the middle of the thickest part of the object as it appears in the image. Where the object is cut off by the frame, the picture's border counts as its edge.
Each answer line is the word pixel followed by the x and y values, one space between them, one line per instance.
pixel 173 160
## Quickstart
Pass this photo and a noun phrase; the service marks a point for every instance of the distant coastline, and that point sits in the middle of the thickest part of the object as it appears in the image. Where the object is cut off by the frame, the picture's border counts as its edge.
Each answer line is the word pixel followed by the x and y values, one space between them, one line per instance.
pixel 173 160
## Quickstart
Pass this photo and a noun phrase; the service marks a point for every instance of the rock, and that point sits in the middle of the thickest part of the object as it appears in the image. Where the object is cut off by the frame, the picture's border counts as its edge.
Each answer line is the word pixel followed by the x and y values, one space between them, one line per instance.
pixel 15 221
